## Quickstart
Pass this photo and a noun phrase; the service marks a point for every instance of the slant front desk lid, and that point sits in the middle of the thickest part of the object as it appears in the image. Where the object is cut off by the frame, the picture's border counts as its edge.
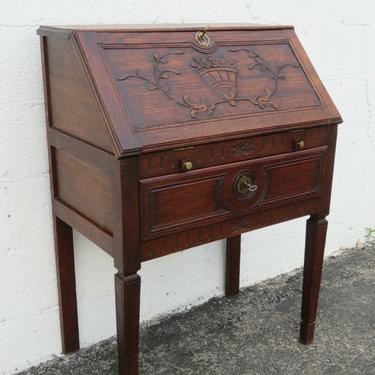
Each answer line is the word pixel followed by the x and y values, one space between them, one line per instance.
pixel 177 86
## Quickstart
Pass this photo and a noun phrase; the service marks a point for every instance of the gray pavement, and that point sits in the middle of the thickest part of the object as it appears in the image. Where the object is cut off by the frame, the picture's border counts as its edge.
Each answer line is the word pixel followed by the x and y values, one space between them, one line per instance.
pixel 257 332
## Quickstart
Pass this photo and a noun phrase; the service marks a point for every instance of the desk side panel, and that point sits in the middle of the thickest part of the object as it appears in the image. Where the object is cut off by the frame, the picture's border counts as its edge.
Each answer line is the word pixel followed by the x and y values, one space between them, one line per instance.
pixel 73 106
pixel 81 187
pixel 84 189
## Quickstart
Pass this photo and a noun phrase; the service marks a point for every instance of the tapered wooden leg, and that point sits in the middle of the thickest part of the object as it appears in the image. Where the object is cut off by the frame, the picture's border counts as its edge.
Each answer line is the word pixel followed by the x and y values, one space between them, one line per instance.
pixel 314 250
pixel 66 286
pixel 232 274
pixel 127 313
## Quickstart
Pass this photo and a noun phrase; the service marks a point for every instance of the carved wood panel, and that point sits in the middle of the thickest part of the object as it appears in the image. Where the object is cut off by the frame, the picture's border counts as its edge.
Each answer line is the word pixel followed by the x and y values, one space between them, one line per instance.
pixel 165 86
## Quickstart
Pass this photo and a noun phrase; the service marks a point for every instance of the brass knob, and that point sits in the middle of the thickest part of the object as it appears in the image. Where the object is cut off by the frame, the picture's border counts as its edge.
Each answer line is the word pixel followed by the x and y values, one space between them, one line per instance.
pixel 300 144
pixel 187 165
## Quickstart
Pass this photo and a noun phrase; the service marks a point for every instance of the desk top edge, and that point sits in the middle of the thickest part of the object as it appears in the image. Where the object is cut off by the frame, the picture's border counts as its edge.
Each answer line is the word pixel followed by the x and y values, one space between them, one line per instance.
pixel 158 27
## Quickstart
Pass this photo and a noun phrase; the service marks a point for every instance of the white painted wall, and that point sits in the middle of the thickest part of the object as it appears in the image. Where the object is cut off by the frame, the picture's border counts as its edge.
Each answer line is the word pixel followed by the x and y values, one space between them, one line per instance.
pixel 340 39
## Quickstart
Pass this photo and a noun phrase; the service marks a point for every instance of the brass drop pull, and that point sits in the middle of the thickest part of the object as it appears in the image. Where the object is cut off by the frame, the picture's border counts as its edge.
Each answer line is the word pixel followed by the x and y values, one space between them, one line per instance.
pixel 244 185
pixel 299 145
pixel 186 165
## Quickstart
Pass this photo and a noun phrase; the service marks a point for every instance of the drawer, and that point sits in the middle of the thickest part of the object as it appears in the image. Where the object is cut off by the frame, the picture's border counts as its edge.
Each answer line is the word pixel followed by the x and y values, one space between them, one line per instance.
pixel 181 201
pixel 218 153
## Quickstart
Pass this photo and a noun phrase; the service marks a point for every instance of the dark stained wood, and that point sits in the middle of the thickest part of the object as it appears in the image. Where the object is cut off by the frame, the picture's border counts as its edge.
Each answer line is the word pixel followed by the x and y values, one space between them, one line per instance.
pixel 181 201
pixel 127 251
pixel 232 267
pixel 83 151
pixel 202 156
pixel 63 31
pixel 200 235
pixel 328 170
pixel 293 179
pixel 105 53
pixel 66 286
pixel 74 165
pixel 72 97
pixel 83 225
pixel 127 259
pixel 127 290
pixel 64 246
pixel 174 205
pixel 77 183
pixel 316 230
pixel 158 143
pixel 196 73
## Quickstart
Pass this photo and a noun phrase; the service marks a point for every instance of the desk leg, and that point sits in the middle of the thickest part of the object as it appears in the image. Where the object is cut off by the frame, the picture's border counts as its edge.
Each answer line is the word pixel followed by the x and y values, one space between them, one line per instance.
pixel 316 230
pixel 127 314
pixel 232 273
pixel 66 286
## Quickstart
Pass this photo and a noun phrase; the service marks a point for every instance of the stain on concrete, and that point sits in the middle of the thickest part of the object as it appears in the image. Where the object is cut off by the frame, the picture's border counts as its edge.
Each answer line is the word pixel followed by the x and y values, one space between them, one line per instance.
pixel 257 332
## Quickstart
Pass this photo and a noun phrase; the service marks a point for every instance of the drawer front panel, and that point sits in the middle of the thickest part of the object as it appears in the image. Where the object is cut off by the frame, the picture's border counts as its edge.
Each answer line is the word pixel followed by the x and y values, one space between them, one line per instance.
pixel 291 179
pixel 181 201
pixel 201 156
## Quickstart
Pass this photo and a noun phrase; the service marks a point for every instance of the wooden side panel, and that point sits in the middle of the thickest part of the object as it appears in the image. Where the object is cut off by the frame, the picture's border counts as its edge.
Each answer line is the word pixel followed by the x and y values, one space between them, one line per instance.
pixel 84 189
pixel 72 103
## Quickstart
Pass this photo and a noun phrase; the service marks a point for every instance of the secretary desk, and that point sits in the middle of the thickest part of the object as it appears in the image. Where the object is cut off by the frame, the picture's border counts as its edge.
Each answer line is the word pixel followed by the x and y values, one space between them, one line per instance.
pixel 162 138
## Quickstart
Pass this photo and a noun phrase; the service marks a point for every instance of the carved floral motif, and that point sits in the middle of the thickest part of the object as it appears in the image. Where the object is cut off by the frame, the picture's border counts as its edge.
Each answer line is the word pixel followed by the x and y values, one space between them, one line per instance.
pixel 243 149
pixel 218 73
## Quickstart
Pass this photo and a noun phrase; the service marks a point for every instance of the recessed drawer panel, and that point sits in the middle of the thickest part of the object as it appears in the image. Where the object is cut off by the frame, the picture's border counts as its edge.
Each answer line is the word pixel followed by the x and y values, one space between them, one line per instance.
pixel 291 179
pixel 180 201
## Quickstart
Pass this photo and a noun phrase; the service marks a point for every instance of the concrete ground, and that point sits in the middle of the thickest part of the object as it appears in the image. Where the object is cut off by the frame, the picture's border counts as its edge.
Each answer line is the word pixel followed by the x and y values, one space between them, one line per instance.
pixel 257 332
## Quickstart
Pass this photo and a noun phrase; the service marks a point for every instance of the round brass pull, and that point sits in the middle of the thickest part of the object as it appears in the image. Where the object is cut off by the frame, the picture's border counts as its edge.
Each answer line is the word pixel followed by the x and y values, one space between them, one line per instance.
pixel 300 144
pixel 245 185
pixel 187 165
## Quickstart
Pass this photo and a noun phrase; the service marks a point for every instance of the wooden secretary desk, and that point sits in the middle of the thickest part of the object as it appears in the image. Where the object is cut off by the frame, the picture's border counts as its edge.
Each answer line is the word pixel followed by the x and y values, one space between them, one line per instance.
pixel 164 138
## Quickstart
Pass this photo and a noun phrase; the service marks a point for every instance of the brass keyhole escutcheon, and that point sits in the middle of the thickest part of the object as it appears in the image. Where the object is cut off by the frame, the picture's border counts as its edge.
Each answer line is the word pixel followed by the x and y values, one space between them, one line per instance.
pixel 245 185
pixel 203 39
